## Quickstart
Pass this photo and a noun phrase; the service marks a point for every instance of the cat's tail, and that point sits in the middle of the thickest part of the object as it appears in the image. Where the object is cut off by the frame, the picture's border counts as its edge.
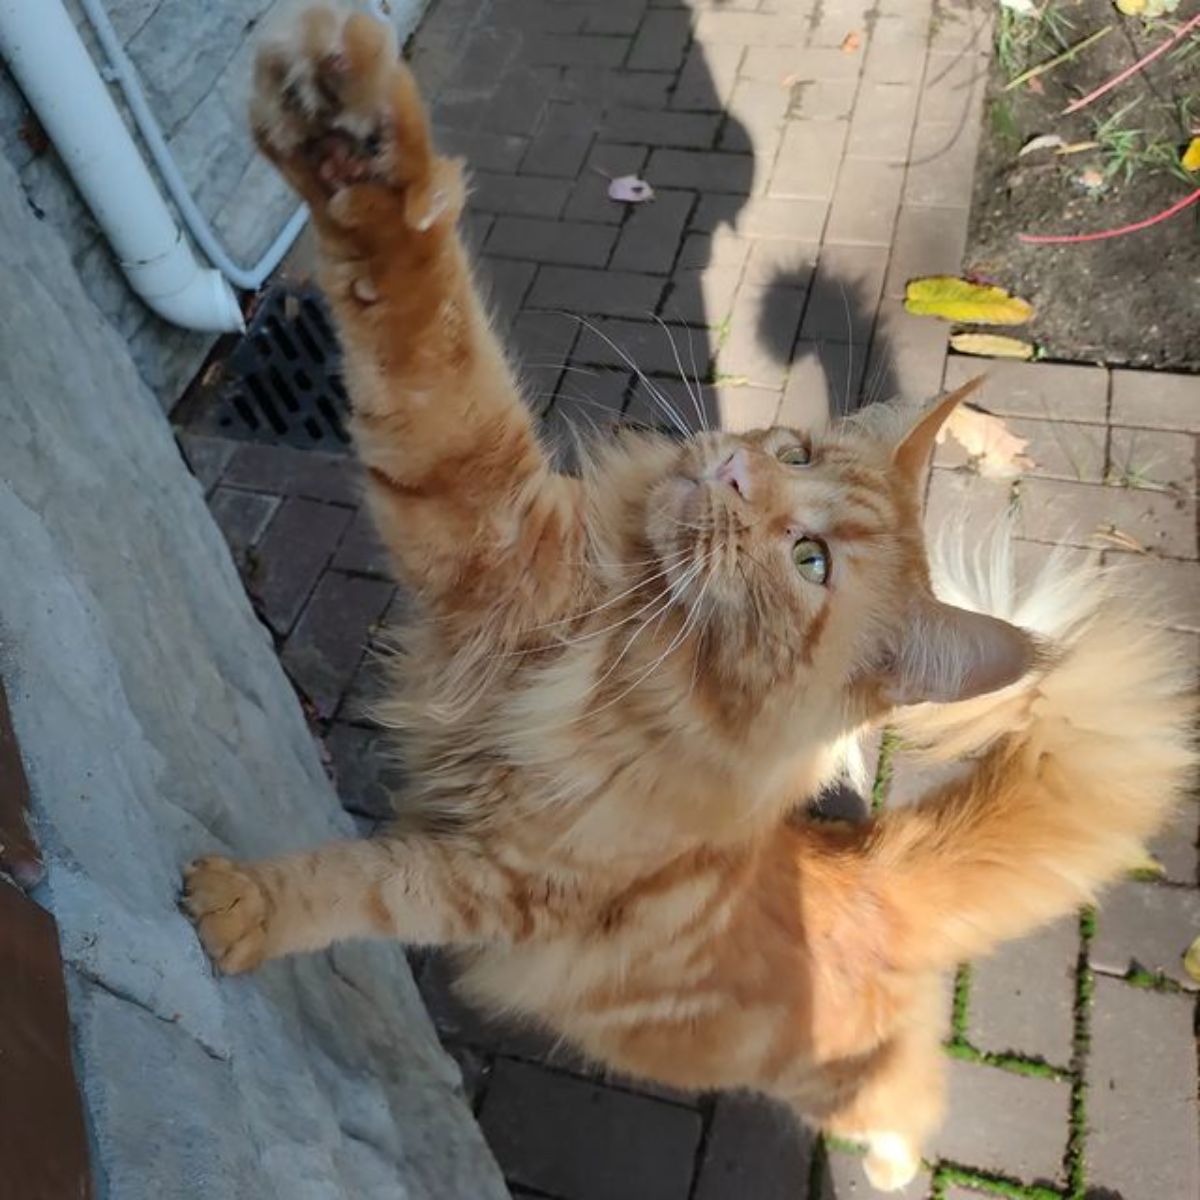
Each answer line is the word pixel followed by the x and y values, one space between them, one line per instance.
pixel 1076 765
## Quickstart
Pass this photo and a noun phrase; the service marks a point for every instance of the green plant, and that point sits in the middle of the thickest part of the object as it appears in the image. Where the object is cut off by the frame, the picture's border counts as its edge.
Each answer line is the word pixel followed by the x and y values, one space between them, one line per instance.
pixel 1022 37
pixel 1120 146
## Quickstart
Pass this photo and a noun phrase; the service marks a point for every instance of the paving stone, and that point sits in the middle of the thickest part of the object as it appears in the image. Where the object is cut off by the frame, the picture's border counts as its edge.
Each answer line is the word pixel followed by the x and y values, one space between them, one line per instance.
pixel 845 294
pixel 952 91
pixel 205 456
pixel 661 41
pixel 572 1138
pixel 586 406
pixel 927 241
pixel 833 19
pixel 823 382
pixel 761 334
pixel 1048 391
pixel 564 50
pixel 809 157
pixel 572 243
pixel 361 552
pixel 242 516
pixel 1083 514
pixel 1147 926
pixel 762 217
pixel 707 79
pixel 1141 1074
pixel 542 344
pixel 617 16
pixel 865 202
pixel 773 263
pixel 589 197
pixel 1155 458
pixel 292 554
pixel 691 130
pixel 961 27
pixel 561 143
pixel 1169 590
pixel 607 293
pixel 518 104
pixel 336 478
pixel 702 170
pixel 644 345
pixel 754 117
pixel 1001 1122
pixel 907 355
pixel 754 1149
pixel 895 53
pixel 742 407
pixel 327 643
pixel 722 248
pixel 1176 846
pixel 843 1178
pixel 882 125
pixel 822 100
pixel 1057 449
pixel 774 64
pixel 363 771
pixel 504 283
pixel 941 166
pixel 702 297
pixel 518 195
pixel 651 236
pixel 1023 996
pixel 688 400
pixel 484 151
pixel 609 88
pixel 1156 400
pixel 750 29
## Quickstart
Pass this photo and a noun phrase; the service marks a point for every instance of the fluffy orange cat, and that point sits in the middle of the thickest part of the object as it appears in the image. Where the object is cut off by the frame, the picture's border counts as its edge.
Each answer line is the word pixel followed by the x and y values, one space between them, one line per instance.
pixel 623 687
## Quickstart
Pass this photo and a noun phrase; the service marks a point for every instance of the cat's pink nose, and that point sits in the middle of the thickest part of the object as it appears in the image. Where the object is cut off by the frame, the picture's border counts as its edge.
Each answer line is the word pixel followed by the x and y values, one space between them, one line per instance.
pixel 735 471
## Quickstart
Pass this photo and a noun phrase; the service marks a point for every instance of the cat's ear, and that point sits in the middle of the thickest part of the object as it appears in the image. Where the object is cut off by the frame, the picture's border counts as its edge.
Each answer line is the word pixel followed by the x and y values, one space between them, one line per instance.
pixel 947 653
pixel 915 452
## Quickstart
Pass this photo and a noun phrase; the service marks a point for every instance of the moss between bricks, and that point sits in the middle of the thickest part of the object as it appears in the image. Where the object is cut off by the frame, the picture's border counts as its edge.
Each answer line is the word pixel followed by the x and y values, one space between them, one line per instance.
pixel 884 770
pixel 1085 985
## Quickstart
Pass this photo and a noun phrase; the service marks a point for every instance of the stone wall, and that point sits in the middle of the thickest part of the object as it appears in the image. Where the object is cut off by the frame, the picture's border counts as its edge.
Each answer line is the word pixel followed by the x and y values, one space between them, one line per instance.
pixel 156 725
pixel 194 63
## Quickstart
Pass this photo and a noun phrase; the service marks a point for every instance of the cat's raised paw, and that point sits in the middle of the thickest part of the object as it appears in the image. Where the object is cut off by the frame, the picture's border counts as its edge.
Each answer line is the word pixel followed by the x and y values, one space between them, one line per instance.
pixel 229 908
pixel 334 108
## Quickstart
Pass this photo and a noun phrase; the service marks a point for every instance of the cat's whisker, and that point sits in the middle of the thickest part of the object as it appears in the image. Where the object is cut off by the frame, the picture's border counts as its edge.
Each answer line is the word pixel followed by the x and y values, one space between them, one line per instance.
pixel 655 393
pixel 693 395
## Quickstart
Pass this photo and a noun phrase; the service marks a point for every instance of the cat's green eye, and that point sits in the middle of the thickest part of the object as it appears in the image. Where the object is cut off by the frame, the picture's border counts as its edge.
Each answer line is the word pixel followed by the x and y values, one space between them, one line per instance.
pixel 795 456
pixel 812 560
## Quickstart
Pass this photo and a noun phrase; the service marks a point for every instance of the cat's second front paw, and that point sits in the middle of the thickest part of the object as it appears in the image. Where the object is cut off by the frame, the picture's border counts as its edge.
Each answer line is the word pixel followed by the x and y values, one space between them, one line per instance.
pixel 229 908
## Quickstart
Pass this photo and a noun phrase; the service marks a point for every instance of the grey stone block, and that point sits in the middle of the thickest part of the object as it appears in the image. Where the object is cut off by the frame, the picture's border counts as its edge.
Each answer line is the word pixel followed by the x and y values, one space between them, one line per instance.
pixel 754 1148
pixel 1149 927
pixel 1143 1142
pixel 1023 996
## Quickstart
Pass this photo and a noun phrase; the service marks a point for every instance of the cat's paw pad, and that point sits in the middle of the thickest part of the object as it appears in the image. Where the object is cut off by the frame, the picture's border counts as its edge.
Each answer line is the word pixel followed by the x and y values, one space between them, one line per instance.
pixel 229 909
pixel 891 1162
pixel 323 96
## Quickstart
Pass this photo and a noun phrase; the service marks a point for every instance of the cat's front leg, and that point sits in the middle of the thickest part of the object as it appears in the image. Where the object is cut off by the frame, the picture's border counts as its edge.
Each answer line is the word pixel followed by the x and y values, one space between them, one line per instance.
pixel 416 890
pixel 460 487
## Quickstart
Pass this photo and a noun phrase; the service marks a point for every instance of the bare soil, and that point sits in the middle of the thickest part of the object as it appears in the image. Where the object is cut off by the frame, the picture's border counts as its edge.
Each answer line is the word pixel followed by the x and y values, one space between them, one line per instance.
pixel 1132 300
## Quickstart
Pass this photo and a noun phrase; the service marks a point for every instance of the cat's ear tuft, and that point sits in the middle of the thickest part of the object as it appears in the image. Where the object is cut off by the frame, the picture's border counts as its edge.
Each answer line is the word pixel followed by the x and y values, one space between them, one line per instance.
pixel 947 654
pixel 915 451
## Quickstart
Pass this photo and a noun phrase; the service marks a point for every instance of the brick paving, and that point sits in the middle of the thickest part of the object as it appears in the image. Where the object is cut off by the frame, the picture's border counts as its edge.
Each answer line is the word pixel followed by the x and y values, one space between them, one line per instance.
pixel 799 185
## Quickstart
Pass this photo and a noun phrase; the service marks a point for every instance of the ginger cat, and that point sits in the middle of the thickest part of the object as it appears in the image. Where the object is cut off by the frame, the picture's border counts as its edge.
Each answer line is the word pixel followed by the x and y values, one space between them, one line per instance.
pixel 622 688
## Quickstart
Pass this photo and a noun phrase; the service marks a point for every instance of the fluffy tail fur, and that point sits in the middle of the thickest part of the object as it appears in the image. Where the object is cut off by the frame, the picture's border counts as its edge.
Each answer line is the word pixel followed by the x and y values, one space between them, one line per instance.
pixel 1077 764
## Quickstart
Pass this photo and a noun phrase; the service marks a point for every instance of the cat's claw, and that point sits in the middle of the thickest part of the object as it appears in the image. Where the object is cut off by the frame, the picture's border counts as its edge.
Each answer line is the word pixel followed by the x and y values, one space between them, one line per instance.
pixel 229 909
pixel 335 108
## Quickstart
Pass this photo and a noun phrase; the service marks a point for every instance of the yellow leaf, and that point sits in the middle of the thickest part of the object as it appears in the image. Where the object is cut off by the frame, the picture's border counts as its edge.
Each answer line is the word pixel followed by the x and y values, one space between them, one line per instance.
pixel 991 345
pixel 1191 960
pixel 955 299
pixel 993 450
pixel 1131 8
pixel 1191 156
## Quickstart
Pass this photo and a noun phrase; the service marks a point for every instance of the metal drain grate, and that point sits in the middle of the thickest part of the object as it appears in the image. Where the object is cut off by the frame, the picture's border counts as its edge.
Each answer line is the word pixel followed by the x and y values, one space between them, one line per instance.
pixel 281 383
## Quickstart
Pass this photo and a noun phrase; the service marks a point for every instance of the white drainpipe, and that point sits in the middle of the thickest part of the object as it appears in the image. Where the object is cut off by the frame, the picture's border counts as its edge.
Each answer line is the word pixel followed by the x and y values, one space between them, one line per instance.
pixel 46 56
